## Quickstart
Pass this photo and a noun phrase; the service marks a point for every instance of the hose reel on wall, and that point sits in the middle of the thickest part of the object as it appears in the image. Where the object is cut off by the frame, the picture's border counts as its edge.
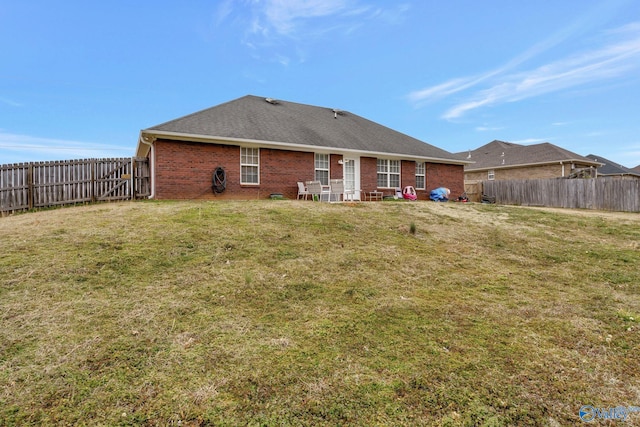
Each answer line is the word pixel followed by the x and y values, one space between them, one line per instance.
pixel 219 182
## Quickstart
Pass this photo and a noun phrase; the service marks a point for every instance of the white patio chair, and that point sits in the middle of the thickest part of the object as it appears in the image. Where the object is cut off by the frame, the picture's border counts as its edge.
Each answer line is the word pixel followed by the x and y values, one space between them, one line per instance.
pixel 302 190
pixel 326 191
pixel 336 188
pixel 314 188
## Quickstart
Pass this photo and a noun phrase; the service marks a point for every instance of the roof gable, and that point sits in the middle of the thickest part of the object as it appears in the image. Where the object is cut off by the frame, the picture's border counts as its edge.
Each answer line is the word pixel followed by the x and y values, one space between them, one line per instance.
pixel 498 154
pixel 254 118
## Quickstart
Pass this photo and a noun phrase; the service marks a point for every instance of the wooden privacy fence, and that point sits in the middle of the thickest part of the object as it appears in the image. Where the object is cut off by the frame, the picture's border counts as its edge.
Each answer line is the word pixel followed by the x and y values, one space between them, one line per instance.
pixel 473 190
pixel 32 185
pixel 612 194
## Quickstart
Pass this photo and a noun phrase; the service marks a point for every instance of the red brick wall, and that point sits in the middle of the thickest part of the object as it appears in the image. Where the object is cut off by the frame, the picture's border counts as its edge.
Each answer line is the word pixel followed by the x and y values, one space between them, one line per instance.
pixel 368 173
pixel 408 174
pixel 436 175
pixel 184 170
pixel 449 176
pixel 280 171
pixel 335 168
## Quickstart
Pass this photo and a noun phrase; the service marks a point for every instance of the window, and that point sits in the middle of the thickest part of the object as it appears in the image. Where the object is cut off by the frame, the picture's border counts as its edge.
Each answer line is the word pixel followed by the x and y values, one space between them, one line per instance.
pixel 249 165
pixel 388 173
pixel 420 172
pixel 491 175
pixel 322 168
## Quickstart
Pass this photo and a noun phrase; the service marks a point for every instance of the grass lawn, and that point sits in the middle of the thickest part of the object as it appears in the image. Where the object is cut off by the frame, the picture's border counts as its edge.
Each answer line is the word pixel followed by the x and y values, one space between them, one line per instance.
pixel 300 313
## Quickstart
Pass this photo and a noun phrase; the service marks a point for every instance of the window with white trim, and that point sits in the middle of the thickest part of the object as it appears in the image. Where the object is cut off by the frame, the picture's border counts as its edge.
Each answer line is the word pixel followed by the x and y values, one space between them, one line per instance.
pixel 322 168
pixel 420 175
pixel 491 175
pixel 388 173
pixel 249 165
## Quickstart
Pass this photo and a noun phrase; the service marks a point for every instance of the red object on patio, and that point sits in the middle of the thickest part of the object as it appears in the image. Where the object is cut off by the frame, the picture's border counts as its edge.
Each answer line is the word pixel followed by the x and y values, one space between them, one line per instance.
pixel 409 193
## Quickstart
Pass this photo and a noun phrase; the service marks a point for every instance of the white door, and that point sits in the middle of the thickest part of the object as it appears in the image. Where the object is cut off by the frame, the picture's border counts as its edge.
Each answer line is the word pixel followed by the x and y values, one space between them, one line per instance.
pixel 352 178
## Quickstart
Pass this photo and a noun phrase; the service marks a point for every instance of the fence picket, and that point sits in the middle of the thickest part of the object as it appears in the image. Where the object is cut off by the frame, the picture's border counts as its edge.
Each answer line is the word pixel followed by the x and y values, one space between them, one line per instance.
pixel 31 185
pixel 612 194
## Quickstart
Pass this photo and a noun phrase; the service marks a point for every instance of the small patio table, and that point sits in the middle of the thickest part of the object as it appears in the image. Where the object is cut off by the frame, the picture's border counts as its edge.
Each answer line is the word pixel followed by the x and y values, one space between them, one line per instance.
pixel 373 195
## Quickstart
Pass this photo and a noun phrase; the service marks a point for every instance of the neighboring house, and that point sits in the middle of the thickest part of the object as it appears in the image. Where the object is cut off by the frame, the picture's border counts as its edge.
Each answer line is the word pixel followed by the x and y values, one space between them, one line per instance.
pixel 613 169
pixel 499 160
pixel 266 146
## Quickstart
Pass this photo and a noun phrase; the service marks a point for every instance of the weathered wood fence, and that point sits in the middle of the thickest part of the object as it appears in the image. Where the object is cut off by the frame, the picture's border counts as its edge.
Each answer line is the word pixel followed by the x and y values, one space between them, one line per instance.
pixel 612 194
pixel 33 185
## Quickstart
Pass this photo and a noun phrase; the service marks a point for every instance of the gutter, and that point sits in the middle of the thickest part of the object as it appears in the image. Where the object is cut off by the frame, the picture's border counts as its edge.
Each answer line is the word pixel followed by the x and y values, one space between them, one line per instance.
pixel 152 160
pixel 290 146
pixel 523 165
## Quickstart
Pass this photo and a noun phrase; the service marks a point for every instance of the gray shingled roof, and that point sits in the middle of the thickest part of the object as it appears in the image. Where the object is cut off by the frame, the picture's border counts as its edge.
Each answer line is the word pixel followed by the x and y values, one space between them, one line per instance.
pixel 612 168
pixel 500 154
pixel 253 118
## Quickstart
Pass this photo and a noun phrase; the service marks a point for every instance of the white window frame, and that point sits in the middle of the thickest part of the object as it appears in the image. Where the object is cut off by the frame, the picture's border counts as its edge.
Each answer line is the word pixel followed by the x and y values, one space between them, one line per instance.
pixel 386 169
pixel 491 175
pixel 421 171
pixel 249 160
pixel 321 164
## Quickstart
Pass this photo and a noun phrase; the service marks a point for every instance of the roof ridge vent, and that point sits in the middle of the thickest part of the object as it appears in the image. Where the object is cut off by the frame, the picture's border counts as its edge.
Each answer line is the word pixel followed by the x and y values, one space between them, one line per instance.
pixel 272 101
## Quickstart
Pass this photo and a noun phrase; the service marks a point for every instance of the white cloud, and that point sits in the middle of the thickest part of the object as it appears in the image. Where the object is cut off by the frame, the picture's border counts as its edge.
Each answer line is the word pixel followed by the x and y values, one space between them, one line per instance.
pixel 614 60
pixel 595 134
pixel 531 141
pixel 442 90
pixel 275 23
pixel 283 60
pixel 393 16
pixel 459 84
pixel 485 98
pixel 10 102
pixel 631 27
pixel 285 15
pixel 16 148
pixel 488 128
pixel 223 11
pixel 628 156
pixel 621 56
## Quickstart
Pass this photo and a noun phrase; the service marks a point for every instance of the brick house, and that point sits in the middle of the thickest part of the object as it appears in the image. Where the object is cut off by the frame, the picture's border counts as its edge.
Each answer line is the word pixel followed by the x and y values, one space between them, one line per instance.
pixel 499 160
pixel 266 146
pixel 612 169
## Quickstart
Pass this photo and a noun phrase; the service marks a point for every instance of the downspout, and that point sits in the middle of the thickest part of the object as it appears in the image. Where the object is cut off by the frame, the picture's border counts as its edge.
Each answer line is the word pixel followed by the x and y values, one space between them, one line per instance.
pixel 152 159
pixel 562 164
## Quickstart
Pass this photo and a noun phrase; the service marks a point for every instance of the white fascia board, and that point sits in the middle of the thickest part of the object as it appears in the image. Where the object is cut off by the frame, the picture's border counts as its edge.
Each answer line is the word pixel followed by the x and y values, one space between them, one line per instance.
pixel 207 139
pixel 524 165
pixel 143 148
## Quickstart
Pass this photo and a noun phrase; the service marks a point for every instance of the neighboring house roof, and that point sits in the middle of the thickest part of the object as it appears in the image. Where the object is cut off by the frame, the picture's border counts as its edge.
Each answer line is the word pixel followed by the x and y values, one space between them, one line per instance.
pixel 292 126
pixel 636 169
pixel 610 168
pixel 500 154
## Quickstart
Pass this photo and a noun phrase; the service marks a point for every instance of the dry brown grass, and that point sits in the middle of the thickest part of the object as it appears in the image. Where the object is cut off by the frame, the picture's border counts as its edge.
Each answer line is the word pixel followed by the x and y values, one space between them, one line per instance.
pixel 301 313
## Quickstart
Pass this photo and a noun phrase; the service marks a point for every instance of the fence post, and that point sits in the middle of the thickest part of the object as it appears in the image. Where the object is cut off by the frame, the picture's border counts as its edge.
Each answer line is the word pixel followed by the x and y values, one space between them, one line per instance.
pixel 30 185
pixel 92 166
pixel 133 179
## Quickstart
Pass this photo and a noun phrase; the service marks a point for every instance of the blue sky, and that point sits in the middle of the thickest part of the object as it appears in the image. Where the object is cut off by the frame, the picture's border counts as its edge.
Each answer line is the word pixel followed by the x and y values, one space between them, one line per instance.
pixel 81 78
